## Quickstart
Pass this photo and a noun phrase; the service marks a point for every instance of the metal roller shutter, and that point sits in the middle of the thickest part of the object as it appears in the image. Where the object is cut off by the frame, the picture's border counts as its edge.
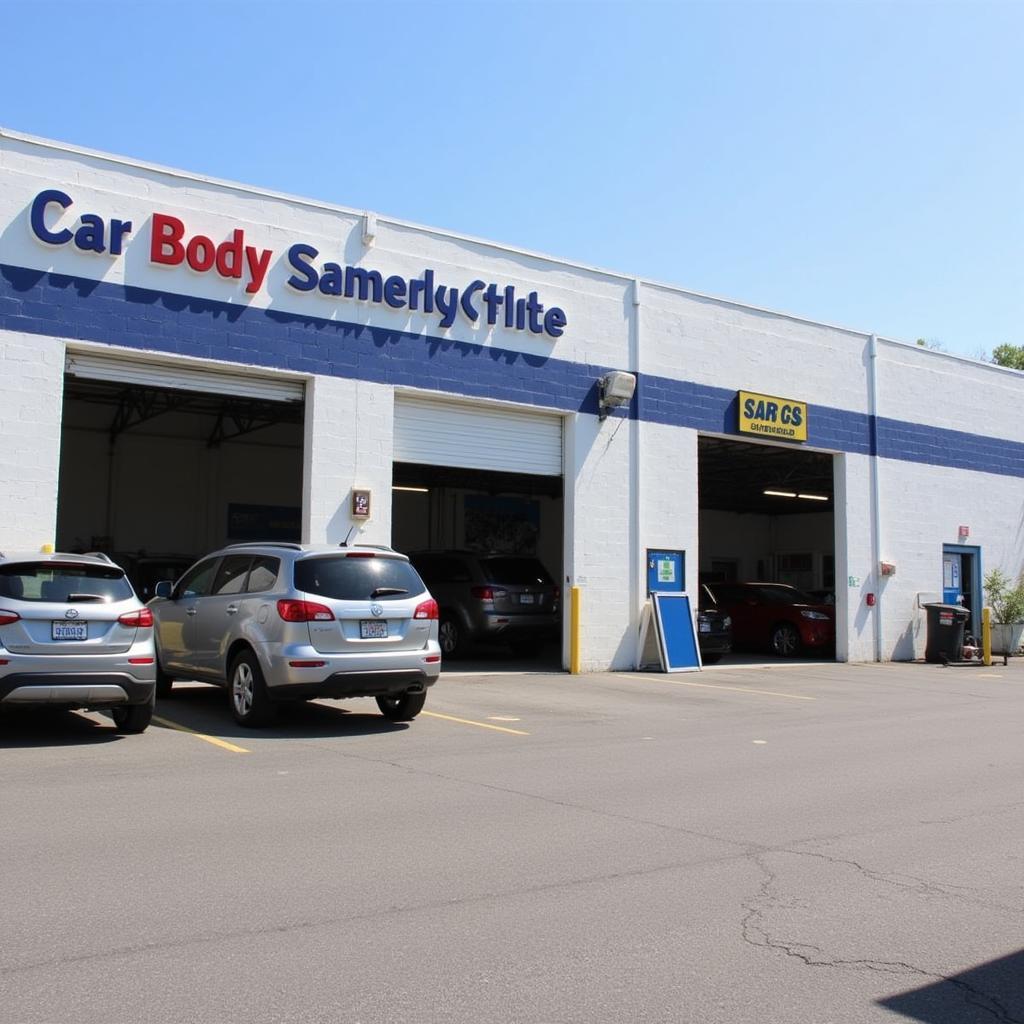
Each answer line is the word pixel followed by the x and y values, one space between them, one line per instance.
pixel 436 433
pixel 182 377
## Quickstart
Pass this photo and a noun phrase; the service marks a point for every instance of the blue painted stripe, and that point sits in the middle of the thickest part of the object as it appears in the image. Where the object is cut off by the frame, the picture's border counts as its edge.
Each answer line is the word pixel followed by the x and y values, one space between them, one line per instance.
pixel 38 302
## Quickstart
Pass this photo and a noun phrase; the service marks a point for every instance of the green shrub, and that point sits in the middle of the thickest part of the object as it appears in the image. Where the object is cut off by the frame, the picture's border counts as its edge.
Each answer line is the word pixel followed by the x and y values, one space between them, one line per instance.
pixel 1005 598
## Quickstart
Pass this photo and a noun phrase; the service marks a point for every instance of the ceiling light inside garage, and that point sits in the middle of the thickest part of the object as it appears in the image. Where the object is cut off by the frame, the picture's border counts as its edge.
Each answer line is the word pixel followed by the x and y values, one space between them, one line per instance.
pixel 814 497
pixel 781 494
pixel 415 490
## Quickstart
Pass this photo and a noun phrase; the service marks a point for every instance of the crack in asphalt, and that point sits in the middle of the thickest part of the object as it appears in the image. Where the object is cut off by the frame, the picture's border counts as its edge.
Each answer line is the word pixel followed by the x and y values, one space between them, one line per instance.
pixel 755 932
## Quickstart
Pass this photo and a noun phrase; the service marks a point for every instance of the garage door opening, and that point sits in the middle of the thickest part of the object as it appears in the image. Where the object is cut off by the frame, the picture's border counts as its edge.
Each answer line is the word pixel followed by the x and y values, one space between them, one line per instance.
pixel 477 502
pixel 158 467
pixel 767 547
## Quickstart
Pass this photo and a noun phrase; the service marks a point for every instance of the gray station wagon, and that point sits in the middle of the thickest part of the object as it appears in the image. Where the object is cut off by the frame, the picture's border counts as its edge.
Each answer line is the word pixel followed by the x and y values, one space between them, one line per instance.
pixel 279 622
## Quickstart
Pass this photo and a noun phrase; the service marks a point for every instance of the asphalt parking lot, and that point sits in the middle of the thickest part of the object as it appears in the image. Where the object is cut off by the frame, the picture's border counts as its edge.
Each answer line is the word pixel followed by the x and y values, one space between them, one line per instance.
pixel 799 844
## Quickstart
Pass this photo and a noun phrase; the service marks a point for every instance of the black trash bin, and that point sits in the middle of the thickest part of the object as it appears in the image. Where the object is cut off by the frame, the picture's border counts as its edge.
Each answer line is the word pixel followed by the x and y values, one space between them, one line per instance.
pixel 946 625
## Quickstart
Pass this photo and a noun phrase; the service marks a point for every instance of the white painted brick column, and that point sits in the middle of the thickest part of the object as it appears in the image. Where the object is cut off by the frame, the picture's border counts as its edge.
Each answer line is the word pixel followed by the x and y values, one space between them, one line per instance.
pixel 31 400
pixel 349 444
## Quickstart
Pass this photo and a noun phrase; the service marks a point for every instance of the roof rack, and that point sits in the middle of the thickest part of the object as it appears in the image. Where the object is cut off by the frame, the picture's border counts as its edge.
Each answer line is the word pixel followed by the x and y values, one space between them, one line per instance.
pixel 100 554
pixel 289 545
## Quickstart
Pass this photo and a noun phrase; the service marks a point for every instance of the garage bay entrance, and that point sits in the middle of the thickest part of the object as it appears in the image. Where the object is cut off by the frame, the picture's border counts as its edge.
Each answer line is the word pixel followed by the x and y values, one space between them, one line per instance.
pixel 477 501
pixel 160 464
pixel 767 545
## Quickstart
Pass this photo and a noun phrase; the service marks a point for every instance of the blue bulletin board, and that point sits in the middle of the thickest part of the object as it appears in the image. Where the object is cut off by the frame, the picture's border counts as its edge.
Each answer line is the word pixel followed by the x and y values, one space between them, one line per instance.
pixel 666 571
pixel 677 640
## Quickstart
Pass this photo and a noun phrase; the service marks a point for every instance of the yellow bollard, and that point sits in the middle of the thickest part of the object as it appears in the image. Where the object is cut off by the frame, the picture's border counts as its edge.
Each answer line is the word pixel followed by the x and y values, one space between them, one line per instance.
pixel 986 635
pixel 574 631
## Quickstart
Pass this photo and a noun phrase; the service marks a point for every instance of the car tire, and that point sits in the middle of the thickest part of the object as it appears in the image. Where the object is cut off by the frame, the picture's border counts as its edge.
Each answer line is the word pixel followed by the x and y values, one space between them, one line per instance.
pixel 247 692
pixel 133 718
pixel 710 659
pixel 403 708
pixel 785 640
pixel 450 637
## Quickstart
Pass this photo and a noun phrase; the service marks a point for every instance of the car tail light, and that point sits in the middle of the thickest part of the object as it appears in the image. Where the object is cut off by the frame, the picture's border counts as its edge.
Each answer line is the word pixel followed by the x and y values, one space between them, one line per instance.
pixel 430 659
pixel 307 664
pixel 304 611
pixel 6 617
pixel 488 593
pixel 427 610
pixel 141 661
pixel 361 554
pixel 141 619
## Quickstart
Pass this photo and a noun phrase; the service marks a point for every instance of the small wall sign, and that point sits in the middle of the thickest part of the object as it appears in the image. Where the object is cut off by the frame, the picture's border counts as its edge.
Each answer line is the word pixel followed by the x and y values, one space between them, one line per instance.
pixel 768 416
pixel 360 504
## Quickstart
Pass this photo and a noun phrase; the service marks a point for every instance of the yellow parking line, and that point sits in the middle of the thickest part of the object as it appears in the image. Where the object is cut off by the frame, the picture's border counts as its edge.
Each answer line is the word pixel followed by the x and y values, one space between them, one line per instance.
pixel 737 689
pixel 482 725
pixel 201 735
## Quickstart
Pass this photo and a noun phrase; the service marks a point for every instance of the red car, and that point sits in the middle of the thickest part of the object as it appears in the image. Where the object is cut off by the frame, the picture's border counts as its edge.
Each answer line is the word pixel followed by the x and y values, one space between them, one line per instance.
pixel 776 617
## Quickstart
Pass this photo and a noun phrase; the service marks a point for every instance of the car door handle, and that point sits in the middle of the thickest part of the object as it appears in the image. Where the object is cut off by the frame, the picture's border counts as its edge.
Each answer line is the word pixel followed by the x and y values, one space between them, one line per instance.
pixel 231 609
pixel 191 611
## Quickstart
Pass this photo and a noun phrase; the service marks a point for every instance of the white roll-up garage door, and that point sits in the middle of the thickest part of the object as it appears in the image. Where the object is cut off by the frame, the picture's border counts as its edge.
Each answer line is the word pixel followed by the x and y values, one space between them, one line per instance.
pixel 437 433
pixel 182 377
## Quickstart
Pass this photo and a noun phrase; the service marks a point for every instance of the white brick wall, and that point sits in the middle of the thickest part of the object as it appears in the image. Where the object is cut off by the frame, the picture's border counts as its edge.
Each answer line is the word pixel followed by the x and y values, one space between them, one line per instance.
pixel 31 392
pixel 349 430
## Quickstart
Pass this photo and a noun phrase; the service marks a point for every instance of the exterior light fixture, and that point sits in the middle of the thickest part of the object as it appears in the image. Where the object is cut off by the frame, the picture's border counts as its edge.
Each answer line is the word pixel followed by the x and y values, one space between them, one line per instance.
pixel 614 389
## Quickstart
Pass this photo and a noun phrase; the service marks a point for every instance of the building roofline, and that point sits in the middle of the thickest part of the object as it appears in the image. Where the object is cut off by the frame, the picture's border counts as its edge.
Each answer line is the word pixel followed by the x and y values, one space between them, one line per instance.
pixel 315 204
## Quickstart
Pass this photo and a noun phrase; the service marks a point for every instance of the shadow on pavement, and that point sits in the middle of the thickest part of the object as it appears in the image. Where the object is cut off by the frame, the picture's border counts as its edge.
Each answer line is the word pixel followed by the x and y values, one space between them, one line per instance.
pixel 205 709
pixel 51 727
pixel 992 992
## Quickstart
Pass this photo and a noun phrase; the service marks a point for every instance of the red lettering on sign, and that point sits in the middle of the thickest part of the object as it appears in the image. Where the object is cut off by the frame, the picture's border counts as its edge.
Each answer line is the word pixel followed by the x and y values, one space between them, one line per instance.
pixel 166 246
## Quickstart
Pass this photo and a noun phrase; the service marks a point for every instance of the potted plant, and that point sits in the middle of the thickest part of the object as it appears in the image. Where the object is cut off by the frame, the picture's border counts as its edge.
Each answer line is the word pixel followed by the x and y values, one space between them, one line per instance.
pixel 1006 599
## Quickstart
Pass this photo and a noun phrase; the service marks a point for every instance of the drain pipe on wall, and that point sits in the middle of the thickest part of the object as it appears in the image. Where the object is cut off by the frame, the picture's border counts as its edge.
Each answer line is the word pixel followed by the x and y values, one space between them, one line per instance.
pixel 876 505
pixel 639 575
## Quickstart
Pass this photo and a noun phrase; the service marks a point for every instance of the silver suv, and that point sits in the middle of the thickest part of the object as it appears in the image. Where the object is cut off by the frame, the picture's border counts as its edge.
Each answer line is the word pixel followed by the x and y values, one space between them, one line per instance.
pixel 73 634
pixel 277 622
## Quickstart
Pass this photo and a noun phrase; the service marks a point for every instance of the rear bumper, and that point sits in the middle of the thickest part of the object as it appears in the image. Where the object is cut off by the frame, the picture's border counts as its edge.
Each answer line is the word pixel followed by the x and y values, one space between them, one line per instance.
pixel 75 689
pixel 357 684
pixel 336 675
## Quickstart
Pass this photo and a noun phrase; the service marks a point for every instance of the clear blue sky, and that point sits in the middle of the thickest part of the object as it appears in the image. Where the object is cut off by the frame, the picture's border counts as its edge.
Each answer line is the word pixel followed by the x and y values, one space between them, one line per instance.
pixel 859 163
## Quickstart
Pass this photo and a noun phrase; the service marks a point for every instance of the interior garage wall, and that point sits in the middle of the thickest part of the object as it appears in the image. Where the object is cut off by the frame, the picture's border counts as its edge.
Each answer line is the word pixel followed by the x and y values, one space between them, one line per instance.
pixel 753 538
pixel 167 494
pixel 436 520
pixel 31 393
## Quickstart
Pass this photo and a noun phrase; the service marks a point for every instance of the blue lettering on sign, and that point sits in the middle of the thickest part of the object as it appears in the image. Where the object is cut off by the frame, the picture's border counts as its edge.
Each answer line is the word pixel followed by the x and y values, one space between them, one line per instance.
pixel 421 294
pixel 91 233
pixel 171 244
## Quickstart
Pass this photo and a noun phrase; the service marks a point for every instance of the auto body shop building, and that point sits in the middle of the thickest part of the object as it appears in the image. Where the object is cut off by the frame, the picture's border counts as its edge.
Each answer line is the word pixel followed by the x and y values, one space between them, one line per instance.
pixel 187 362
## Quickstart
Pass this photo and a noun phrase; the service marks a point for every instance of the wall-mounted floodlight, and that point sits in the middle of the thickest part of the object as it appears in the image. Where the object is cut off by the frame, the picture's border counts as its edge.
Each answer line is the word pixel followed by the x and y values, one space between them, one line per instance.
pixel 614 389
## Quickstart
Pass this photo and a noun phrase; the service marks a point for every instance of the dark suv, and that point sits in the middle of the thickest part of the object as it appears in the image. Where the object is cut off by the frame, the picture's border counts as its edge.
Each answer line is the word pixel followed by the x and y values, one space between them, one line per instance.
pixel 508 599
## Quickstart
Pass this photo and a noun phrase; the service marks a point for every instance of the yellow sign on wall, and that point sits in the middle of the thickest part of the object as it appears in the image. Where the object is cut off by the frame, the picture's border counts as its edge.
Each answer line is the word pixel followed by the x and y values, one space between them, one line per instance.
pixel 768 416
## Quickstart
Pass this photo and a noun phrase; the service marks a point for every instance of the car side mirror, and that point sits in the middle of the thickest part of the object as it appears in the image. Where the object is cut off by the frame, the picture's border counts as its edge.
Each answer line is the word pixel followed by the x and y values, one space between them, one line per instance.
pixel 165 588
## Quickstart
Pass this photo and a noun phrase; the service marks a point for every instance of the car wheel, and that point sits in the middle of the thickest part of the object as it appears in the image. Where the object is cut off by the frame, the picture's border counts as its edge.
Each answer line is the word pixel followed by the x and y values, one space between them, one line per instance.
pixel 133 718
pixel 449 636
pixel 785 640
pixel 402 709
pixel 250 702
pixel 710 659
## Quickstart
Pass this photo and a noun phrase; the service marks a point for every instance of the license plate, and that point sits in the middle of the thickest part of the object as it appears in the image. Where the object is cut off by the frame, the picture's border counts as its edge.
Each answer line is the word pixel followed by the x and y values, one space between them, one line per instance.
pixel 372 629
pixel 526 598
pixel 70 631
pixel 705 627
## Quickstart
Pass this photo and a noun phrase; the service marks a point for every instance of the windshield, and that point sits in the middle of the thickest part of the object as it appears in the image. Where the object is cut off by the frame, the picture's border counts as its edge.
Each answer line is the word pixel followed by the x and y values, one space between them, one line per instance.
pixel 63 582
pixel 344 578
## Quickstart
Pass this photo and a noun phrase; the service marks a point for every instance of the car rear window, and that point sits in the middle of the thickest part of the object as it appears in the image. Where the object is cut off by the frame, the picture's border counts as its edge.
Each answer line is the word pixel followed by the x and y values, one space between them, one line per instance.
pixel 520 571
pixel 63 582
pixel 344 578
